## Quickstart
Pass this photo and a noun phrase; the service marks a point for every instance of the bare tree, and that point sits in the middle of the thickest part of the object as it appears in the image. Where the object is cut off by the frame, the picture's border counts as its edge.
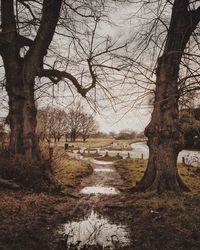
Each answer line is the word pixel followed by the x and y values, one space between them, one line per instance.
pixel 22 69
pixel 58 123
pixel 88 125
pixel 51 123
pixel 43 129
pixel 30 62
pixel 165 137
pixel 74 117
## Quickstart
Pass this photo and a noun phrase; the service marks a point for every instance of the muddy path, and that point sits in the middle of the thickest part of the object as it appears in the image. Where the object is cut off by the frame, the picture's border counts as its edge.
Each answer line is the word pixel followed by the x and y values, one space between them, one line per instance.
pixel 98 218
pixel 104 184
pixel 100 215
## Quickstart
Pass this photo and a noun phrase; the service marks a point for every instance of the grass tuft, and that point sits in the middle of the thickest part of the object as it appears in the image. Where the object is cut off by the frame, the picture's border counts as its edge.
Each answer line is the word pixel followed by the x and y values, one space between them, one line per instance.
pixel 69 172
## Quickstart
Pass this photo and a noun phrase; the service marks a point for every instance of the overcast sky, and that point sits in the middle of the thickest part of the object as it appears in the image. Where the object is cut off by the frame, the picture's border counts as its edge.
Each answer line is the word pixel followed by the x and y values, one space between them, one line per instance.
pixel 108 119
pixel 134 120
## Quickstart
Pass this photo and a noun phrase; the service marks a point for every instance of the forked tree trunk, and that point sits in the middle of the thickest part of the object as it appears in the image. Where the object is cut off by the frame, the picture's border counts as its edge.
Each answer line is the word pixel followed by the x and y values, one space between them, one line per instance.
pixel 21 73
pixel 165 138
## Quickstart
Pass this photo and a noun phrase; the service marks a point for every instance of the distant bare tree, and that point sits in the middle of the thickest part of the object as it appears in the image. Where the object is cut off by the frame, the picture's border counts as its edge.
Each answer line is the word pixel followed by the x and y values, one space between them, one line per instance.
pixel 51 123
pixel 88 126
pixel 58 123
pixel 74 116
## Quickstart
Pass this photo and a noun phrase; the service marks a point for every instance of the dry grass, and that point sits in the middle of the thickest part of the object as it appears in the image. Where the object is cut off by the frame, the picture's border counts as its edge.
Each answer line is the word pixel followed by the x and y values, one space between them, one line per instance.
pixel 90 143
pixel 174 217
pixel 69 172
pixel 132 171
pixel 120 145
pixel 106 143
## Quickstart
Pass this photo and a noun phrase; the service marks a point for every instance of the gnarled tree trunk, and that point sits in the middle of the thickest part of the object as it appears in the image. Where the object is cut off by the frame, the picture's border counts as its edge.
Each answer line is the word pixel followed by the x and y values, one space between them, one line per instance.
pixel 21 73
pixel 165 138
pixel 22 120
pixel 20 80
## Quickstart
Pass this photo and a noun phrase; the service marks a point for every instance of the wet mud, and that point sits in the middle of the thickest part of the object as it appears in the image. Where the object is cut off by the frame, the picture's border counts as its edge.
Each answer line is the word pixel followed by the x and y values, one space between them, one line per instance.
pixel 95 229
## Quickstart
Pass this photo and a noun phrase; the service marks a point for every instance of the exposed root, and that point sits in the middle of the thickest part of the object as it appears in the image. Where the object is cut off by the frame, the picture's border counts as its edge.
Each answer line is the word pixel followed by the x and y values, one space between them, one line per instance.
pixel 161 184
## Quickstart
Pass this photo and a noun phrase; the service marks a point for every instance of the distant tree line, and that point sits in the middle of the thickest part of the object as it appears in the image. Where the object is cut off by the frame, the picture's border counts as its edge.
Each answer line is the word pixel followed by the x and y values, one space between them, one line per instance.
pixel 55 123
pixel 127 134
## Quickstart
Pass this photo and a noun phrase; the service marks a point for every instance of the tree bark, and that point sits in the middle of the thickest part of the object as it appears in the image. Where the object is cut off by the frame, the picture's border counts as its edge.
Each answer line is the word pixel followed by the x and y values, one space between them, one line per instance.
pixel 22 119
pixel 20 75
pixel 165 138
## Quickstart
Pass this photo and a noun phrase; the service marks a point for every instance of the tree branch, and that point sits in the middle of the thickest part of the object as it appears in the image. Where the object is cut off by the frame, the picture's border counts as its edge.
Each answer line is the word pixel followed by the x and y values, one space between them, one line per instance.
pixel 50 16
pixel 28 7
pixel 24 41
pixel 56 76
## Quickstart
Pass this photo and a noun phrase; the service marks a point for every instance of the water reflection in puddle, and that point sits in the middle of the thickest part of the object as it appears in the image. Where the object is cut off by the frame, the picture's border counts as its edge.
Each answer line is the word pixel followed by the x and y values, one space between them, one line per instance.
pixel 100 190
pixel 99 162
pixel 95 230
pixel 103 170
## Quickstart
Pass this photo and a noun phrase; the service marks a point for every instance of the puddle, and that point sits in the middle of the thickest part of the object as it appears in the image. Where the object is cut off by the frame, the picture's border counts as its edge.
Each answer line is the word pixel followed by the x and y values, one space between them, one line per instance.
pixel 100 190
pixel 103 170
pixel 101 162
pixel 95 230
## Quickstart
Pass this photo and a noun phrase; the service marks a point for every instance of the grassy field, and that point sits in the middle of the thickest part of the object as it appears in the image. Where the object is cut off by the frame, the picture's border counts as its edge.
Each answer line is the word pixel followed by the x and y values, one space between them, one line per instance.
pixel 105 143
pixel 90 143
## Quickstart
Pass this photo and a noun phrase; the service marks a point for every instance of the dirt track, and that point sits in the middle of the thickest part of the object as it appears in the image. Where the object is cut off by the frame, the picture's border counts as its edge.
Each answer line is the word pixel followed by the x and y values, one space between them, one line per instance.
pixel 125 221
pixel 99 195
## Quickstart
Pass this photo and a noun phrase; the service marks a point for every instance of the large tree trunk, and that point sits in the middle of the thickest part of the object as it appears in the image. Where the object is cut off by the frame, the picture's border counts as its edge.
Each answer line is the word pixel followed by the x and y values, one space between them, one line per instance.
pixel 20 78
pixel 22 119
pixel 22 110
pixel 165 138
pixel 22 71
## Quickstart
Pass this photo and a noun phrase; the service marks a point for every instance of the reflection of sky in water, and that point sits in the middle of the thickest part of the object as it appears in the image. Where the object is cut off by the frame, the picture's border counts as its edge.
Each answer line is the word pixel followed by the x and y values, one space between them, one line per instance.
pixel 95 230
pixel 103 170
pixel 100 190
pixel 101 162
pixel 139 149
